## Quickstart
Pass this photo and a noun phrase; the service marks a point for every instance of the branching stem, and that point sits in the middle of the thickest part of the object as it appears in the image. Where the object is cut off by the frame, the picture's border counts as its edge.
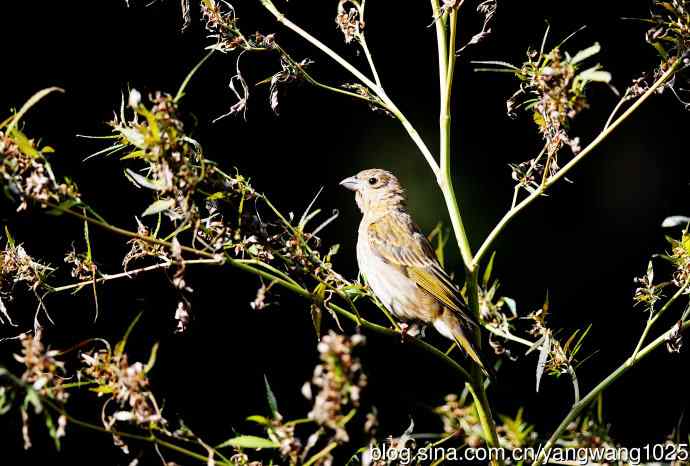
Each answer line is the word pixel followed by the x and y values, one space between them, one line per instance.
pixel 501 225
pixel 603 385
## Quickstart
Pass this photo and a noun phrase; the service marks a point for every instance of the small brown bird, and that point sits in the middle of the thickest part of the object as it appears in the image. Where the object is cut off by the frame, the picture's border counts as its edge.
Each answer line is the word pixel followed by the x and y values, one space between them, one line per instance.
pixel 399 263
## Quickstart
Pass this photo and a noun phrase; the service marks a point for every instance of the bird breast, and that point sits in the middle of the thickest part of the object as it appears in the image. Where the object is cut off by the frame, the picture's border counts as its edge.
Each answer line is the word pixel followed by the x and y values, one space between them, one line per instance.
pixel 391 285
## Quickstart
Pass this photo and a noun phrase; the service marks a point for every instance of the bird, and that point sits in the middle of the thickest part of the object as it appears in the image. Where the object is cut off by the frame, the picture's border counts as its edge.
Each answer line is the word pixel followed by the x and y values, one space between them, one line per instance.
pixel 400 265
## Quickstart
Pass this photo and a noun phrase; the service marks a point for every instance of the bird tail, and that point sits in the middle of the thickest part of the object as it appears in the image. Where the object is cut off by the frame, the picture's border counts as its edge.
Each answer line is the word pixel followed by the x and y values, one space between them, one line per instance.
pixel 453 330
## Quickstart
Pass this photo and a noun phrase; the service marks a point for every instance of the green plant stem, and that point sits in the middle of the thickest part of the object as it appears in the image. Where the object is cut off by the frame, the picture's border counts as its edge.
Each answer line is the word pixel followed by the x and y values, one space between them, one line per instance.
pixel 446 70
pixel 321 454
pixel 479 393
pixel 370 59
pixel 446 67
pixel 376 89
pixel 603 385
pixel 501 225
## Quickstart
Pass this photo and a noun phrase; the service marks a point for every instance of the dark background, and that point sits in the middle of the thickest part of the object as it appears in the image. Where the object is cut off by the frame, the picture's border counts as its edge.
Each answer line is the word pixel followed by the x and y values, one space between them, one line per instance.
pixel 584 244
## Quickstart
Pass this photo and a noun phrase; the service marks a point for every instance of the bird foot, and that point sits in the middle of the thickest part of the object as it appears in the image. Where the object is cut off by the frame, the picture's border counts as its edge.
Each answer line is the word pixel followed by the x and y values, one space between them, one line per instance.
pixel 411 330
pixel 404 328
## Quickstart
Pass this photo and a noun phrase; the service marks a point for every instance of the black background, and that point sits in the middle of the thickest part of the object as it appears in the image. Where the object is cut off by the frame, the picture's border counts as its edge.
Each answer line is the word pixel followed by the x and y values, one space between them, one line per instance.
pixel 584 244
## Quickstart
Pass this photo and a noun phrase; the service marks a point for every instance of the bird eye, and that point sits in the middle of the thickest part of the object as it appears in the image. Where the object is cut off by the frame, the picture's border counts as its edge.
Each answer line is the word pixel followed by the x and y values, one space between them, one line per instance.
pixel 372 181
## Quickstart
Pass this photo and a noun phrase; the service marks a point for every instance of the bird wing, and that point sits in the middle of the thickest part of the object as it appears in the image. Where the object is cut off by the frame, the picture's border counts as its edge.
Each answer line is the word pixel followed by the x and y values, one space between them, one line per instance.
pixel 398 241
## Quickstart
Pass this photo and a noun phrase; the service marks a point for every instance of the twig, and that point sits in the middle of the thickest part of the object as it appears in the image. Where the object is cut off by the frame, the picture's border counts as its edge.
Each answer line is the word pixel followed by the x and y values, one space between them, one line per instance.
pixel 131 273
pixel 380 93
pixel 500 226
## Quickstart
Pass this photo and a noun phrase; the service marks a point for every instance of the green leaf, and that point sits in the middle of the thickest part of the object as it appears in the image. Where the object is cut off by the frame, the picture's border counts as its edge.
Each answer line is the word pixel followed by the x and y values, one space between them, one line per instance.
pixel 24 144
pixel 133 137
pixel 10 240
pixel 316 317
pixel 152 358
pixel 6 397
pixel 271 398
pixel 33 100
pixel 595 75
pixel 543 356
pixel 249 441
pixel 142 181
pixel 675 221
pixel 586 53
pixel 64 205
pixel 489 268
pixel 216 196
pixel 52 430
pixel 120 347
pixel 160 205
pixel 512 305
pixel 262 420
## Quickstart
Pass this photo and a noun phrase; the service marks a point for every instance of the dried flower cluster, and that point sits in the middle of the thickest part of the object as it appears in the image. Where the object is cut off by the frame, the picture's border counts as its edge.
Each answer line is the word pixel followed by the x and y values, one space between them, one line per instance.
pixel 555 357
pixel 175 165
pixel 674 341
pixel 83 267
pixel 16 266
pixel 26 173
pixel 552 89
pixel 670 31
pixel 339 380
pixel 679 257
pixel 127 385
pixel 43 370
pixel 43 374
pixel 647 293
pixel 349 20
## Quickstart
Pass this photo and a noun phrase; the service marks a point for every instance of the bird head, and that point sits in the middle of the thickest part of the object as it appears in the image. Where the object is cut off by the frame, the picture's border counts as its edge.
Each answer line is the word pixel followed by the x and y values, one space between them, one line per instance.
pixel 375 190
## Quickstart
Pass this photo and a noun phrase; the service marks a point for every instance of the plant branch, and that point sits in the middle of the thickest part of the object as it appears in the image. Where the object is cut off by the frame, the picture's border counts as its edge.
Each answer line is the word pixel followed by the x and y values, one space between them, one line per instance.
pixel 131 273
pixel 446 68
pixel 652 320
pixel 250 266
pixel 376 89
pixel 130 234
pixel 603 385
pixel 501 225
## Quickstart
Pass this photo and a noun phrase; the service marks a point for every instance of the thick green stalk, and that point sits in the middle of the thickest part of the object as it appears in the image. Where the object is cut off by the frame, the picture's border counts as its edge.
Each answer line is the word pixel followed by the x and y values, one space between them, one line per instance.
pixel 603 385
pixel 446 66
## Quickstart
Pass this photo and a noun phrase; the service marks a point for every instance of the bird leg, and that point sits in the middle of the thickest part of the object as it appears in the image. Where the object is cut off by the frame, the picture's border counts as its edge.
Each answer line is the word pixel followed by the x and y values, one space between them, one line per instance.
pixel 413 330
pixel 404 328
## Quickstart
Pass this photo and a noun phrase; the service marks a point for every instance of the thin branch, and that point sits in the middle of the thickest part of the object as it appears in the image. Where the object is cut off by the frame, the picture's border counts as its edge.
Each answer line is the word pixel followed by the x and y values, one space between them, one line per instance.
pixel 380 93
pixel 131 273
pixel 130 234
pixel 370 59
pixel 603 385
pixel 500 226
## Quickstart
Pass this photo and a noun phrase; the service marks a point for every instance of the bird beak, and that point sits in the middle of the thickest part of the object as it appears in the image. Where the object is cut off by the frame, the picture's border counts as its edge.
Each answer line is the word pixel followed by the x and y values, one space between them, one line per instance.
pixel 350 183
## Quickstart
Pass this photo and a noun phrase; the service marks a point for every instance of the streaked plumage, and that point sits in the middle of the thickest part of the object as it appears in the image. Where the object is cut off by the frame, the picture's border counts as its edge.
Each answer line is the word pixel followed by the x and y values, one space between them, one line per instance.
pixel 400 265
